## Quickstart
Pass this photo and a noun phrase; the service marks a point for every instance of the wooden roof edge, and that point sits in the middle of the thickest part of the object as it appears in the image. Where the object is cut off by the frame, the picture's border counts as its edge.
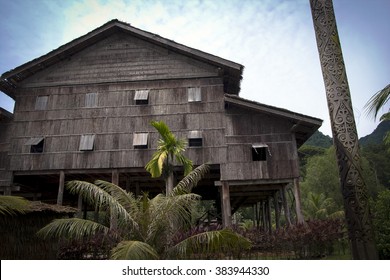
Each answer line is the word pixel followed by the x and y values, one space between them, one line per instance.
pixel 272 110
pixel 5 115
pixel 9 79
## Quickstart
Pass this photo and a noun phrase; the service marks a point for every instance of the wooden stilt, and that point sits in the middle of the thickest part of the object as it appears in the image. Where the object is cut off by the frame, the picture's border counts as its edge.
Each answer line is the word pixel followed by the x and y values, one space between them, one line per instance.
pixel 269 217
pixel 60 196
pixel 226 209
pixel 113 214
pixel 297 195
pixel 277 210
pixel 285 206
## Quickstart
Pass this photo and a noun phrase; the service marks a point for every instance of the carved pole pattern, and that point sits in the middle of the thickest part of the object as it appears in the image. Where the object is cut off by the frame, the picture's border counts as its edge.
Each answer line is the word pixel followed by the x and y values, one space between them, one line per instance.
pixel 344 132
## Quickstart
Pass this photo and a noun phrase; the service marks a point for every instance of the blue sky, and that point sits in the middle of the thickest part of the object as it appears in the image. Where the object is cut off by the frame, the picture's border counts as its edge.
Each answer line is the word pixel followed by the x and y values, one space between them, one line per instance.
pixel 273 39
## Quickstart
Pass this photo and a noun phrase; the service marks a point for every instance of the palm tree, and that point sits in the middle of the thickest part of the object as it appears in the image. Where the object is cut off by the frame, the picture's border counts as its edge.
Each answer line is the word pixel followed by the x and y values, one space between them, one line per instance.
pixel 169 148
pixel 317 206
pixel 12 205
pixel 147 228
pixel 376 102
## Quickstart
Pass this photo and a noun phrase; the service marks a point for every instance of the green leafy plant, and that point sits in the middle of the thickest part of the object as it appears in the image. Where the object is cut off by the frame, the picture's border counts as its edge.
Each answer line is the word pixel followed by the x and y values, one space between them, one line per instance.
pixel 146 226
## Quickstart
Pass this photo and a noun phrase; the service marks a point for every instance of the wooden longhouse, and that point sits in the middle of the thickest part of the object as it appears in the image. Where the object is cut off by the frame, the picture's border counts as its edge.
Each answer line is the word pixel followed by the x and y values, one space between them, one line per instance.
pixel 83 111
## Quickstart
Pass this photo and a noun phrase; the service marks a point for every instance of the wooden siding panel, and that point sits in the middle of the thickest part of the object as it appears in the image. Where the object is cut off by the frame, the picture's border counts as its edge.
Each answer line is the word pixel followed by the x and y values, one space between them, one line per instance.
pixel 121 58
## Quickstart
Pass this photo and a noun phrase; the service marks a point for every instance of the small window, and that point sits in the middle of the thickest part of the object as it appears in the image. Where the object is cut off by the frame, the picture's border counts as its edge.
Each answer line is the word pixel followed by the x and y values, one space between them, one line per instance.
pixel 91 99
pixel 259 152
pixel 195 138
pixel 87 142
pixel 140 140
pixel 194 94
pixel 36 145
pixel 41 102
pixel 141 97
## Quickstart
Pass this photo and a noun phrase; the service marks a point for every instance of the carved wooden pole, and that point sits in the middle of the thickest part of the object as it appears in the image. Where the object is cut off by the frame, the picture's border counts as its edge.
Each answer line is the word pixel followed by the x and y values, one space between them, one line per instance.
pixel 345 138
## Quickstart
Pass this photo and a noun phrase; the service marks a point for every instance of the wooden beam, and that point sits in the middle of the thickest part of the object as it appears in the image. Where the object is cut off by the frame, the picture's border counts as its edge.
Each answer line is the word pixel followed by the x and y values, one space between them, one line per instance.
pixel 226 209
pixel 113 214
pixel 60 196
pixel 297 195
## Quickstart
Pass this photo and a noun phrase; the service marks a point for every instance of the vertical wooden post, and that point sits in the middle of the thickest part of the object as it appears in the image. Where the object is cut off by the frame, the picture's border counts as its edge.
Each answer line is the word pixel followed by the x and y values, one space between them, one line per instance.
pixel 345 137
pixel 263 216
pixel 60 196
pixel 277 209
pixel 113 214
pixel 226 208
pixel 269 217
pixel 128 183
pixel 7 190
pixel 80 206
pixel 137 189
pixel 285 206
pixel 298 207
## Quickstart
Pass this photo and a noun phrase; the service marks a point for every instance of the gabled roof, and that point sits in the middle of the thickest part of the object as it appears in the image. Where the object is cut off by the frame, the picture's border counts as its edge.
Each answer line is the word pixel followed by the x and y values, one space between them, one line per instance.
pixel 231 71
pixel 303 126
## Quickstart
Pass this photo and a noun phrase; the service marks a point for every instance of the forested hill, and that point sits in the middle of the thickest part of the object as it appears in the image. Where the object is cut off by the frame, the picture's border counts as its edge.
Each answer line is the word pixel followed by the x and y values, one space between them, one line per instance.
pixel 318 139
pixel 376 137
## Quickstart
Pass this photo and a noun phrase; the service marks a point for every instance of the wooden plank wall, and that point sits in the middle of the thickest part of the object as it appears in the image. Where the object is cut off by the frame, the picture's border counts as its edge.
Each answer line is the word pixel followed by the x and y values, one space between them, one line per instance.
pixel 5 132
pixel 114 120
pixel 121 57
pixel 245 127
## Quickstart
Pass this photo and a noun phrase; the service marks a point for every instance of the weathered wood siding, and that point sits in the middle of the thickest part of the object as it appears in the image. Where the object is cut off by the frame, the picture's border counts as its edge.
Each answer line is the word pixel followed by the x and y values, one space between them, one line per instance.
pixel 114 119
pixel 5 132
pixel 121 57
pixel 246 127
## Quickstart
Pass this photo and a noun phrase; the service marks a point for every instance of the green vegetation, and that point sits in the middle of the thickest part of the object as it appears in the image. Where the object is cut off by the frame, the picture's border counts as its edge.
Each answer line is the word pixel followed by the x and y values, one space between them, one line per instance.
pixel 169 148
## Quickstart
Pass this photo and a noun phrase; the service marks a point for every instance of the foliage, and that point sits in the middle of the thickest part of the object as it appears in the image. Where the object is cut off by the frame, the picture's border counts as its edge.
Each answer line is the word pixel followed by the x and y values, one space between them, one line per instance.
pixel 315 239
pixel 318 139
pixel 377 136
pixel 146 226
pixel 169 148
pixel 317 206
pixel 377 101
pixel 12 205
pixel 320 189
pixel 379 162
pixel 381 221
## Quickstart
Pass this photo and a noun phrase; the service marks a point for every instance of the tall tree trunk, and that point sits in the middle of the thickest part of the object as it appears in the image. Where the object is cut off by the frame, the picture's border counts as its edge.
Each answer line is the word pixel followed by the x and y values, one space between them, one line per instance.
pixel 344 132
pixel 169 182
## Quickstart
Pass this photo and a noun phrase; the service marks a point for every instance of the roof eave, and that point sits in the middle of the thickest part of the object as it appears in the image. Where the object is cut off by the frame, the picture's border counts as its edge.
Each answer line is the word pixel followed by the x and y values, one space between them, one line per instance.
pixel 10 79
pixel 303 126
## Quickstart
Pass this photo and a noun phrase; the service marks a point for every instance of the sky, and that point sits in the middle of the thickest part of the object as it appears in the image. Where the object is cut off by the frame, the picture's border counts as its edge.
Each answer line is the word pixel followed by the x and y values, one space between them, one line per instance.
pixel 273 39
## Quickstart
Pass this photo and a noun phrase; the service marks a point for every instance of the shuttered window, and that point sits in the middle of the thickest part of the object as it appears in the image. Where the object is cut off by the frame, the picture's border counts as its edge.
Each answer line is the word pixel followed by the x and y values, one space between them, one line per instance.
pixel 41 102
pixel 260 151
pixel 141 97
pixel 36 145
pixel 87 142
pixel 91 99
pixel 195 138
pixel 194 94
pixel 140 140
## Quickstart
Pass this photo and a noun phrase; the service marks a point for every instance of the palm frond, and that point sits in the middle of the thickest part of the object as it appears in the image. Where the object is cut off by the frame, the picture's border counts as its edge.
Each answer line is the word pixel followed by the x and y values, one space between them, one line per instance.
pixel 12 205
pixel 72 228
pixel 127 200
pixel 377 101
pixel 96 196
pixel 155 165
pixel 186 162
pixel 133 250
pixel 191 180
pixel 163 130
pixel 207 242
